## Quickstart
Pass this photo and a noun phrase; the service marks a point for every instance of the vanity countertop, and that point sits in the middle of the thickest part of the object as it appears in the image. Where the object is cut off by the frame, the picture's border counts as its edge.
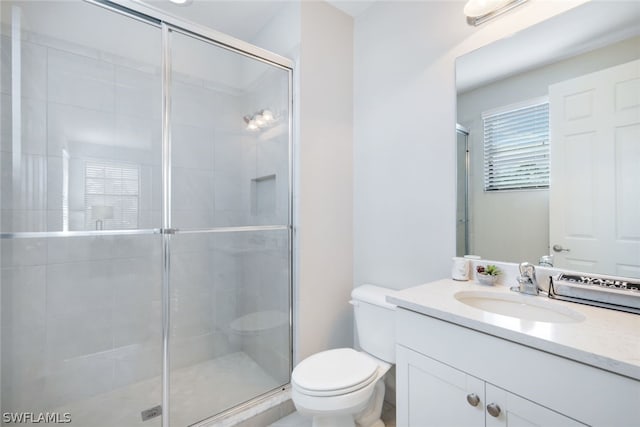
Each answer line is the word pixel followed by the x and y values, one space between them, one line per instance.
pixel 606 339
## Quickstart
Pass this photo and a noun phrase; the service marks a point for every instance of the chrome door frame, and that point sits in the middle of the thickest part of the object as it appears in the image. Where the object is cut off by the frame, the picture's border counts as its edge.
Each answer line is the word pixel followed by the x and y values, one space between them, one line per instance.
pixel 168 24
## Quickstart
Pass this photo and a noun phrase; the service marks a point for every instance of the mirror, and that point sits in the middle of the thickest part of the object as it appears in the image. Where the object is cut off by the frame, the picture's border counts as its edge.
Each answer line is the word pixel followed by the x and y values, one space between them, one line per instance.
pixel 586 64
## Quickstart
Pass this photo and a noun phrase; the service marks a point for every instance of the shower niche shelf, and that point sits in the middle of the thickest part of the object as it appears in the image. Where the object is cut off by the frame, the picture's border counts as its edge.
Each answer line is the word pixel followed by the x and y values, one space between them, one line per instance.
pixel 263 195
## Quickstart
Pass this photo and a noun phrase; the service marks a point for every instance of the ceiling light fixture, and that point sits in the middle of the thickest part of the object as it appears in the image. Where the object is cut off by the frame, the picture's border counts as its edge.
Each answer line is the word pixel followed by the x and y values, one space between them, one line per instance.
pixel 261 119
pixel 181 2
pixel 481 11
pixel 267 116
pixel 251 123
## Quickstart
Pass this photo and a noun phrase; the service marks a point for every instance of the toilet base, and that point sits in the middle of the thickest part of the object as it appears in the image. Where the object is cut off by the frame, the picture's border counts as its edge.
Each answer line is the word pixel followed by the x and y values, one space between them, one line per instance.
pixel 344 421
pixel 368 417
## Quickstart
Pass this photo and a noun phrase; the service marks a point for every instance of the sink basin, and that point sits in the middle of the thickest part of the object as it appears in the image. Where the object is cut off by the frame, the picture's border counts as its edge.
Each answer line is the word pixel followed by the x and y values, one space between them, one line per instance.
pixel 525 307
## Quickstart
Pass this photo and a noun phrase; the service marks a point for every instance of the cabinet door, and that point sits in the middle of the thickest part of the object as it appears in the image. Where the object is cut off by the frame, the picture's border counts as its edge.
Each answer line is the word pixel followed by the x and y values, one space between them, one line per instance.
pixel 431 393
pixel 514 411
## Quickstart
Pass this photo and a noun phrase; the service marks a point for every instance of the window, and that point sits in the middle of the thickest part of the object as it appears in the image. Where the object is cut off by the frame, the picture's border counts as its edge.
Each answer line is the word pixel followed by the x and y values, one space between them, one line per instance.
pixel 516 147
pixel 111 195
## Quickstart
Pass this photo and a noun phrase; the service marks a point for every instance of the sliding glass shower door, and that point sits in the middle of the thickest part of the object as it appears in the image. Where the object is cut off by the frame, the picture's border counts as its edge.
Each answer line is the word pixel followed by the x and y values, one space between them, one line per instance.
pixel 145 222
pixel 80 160
pixel 230 258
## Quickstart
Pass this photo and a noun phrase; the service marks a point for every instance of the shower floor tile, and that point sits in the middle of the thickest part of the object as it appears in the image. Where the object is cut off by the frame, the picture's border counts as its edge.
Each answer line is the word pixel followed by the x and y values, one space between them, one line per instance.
pixel 197 392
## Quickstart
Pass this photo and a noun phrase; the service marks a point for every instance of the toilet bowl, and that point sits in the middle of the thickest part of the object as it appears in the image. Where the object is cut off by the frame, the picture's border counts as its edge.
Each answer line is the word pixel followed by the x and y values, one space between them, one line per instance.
pixel 344 387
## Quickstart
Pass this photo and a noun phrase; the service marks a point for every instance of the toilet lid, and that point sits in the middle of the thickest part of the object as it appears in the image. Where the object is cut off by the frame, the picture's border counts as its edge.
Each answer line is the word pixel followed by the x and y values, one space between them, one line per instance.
pixel 334 370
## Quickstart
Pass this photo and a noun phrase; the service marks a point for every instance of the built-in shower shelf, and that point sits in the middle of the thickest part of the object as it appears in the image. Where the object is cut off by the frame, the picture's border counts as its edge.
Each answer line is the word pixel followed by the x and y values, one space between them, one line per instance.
pixel 263 195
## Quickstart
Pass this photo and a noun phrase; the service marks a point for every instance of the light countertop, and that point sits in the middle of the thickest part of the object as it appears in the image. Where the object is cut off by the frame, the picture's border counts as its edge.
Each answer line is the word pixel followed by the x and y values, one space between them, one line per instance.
pixel 606 339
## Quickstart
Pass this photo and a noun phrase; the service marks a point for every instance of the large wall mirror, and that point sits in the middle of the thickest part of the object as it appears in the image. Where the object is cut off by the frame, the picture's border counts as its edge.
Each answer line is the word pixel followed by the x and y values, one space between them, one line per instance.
pixel 549 143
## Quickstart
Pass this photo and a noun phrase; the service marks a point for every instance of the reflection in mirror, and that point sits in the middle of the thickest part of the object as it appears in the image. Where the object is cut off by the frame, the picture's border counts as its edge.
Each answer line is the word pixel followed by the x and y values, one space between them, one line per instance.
pixel 553 115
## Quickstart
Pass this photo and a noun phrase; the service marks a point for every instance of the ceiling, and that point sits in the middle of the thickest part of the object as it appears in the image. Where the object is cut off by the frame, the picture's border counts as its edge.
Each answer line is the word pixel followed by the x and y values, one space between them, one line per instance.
pixel 579 30
pixel 586 27
pixel 243 18
pixel 240 19
pixel 353 8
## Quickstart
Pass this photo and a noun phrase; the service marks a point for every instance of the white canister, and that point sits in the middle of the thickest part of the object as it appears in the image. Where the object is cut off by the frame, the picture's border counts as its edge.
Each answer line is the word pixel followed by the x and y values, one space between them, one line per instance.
pixel 460 268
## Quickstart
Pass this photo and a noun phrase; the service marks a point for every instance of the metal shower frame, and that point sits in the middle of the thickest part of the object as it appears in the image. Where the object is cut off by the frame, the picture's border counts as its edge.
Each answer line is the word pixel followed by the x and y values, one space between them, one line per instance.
pixel 170 24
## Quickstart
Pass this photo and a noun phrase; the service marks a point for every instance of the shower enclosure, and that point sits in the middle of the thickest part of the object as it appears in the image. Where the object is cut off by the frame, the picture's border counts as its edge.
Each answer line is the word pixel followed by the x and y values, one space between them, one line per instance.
pixel 145 215
pixel 462 191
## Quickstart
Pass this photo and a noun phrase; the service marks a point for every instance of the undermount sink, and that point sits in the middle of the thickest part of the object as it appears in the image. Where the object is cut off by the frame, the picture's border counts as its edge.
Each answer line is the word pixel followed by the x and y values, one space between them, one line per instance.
pixel 525 307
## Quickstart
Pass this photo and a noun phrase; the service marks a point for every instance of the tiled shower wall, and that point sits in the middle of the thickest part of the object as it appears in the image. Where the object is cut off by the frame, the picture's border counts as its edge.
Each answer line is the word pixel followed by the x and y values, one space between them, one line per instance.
pixel 77 313
pixel 78 318
pixel 81 315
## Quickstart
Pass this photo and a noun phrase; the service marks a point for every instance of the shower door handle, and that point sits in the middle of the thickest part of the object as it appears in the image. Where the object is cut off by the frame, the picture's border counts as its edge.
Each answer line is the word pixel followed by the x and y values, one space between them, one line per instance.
pixel 168 230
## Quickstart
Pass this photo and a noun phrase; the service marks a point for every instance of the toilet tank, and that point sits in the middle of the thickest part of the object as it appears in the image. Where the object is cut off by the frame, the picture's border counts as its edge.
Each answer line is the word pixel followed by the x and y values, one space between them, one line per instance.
pixel 375 321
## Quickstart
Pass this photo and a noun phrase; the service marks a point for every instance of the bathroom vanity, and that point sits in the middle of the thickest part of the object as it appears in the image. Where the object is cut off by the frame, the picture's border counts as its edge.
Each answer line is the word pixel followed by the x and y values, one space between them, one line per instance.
pixel 469 355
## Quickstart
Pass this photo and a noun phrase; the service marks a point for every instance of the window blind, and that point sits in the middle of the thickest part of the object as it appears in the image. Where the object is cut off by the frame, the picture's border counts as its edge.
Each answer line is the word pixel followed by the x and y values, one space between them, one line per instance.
pixel 116 187
pixel 516 148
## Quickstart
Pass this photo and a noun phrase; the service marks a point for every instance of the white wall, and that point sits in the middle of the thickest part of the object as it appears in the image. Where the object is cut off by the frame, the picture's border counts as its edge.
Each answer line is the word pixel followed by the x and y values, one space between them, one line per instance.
pixel 319 38
pixel 325 189
pixel 404 133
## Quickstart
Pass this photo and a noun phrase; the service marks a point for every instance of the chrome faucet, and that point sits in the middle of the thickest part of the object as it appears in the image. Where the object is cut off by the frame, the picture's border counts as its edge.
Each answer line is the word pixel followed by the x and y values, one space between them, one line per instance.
pixel 527 282
pixel 546 261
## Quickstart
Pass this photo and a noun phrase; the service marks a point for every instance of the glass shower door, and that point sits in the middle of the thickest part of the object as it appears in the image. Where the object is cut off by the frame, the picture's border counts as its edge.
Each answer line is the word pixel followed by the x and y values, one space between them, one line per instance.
pixel 462 192
pixel 80 158
pixel 230 206
pixel 123 217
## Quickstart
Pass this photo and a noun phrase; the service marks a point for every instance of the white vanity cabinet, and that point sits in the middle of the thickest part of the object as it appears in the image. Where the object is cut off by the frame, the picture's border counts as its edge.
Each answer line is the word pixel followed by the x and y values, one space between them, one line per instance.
pixel 430 393
pixel 443 368
pixel 435 394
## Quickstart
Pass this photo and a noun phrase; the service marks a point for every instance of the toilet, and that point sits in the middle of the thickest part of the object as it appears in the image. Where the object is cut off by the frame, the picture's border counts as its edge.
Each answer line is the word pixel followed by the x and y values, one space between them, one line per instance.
pixel 344 387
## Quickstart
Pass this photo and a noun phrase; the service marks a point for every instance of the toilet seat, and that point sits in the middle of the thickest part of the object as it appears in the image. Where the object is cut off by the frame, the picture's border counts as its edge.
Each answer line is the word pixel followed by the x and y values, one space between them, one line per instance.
pixel 334 372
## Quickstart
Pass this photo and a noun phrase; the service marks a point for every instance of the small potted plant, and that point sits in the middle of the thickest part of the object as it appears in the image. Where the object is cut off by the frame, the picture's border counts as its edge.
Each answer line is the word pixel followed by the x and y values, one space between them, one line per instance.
pixel 487 275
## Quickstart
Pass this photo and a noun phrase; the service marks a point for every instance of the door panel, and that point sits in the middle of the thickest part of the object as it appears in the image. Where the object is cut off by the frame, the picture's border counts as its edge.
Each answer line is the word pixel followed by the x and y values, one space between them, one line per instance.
pixel 80 120
pixel 229 289
pixel 229 320
pixel 436 394
pixel 595 181
pixel 80 152
pixel 518 412
pixel 230 137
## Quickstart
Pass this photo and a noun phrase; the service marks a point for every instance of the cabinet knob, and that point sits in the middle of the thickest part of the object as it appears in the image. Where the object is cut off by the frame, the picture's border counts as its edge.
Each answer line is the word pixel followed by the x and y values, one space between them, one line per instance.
pixel 493 409
pixel 473 399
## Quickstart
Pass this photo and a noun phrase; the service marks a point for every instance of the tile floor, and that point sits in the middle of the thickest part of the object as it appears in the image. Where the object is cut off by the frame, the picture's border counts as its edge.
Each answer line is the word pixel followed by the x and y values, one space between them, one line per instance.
pixel 198 391
pixel 298 420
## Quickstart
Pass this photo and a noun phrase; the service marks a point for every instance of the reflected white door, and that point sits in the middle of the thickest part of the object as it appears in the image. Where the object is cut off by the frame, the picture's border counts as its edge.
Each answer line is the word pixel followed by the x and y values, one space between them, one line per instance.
pixel 595 173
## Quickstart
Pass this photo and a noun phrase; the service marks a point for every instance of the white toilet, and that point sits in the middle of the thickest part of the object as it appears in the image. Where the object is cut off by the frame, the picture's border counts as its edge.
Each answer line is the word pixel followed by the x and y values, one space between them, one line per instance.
pixel 344 387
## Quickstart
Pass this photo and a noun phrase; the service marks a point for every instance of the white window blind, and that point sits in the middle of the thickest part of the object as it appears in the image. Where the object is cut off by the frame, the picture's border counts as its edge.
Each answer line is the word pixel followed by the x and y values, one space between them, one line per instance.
pixel 111 195
pixel 516 148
